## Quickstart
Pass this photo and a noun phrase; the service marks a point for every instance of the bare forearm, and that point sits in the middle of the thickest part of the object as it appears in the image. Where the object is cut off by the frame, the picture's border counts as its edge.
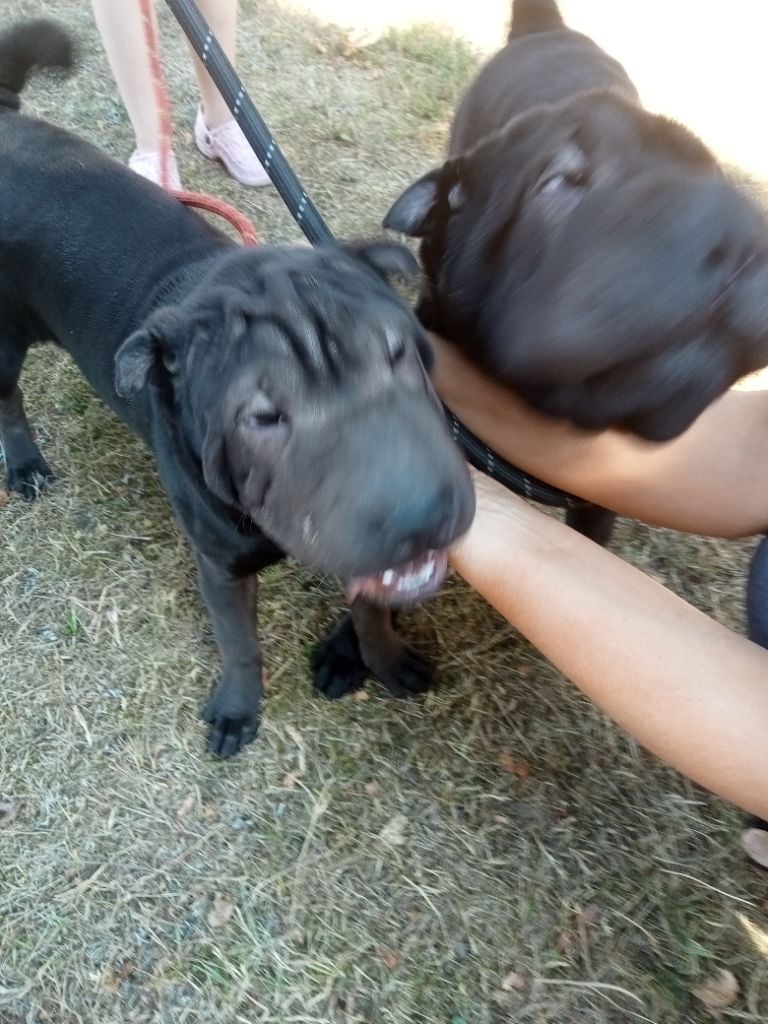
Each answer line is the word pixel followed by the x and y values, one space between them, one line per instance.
pixel 687 688
pixel 707 481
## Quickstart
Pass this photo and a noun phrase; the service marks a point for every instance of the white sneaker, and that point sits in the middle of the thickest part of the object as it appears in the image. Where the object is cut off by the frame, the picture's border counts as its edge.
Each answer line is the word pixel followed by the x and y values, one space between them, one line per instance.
pixel 150 165
pixel 228 144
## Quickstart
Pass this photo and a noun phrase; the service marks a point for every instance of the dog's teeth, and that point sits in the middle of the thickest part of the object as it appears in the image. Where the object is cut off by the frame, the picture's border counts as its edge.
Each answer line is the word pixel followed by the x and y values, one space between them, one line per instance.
pixel 414 580
pixel 387 577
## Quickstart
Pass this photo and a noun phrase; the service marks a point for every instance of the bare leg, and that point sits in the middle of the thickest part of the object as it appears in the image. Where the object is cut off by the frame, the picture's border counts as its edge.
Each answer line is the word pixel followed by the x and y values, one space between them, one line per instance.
pixel 122 28
pixel 122 32
pixel 221 16
pixel 217 135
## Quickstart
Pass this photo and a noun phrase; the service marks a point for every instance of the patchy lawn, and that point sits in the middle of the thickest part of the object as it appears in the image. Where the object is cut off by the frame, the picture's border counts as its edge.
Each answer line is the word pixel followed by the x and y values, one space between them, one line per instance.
pixel 498 852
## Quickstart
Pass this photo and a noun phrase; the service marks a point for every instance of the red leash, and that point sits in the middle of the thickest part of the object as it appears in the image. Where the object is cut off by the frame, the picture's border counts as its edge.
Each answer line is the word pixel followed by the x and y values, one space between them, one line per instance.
pixel 198 200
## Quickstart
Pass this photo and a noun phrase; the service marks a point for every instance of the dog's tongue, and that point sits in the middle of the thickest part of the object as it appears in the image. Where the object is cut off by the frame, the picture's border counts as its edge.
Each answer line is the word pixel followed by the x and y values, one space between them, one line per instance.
pixel 403 584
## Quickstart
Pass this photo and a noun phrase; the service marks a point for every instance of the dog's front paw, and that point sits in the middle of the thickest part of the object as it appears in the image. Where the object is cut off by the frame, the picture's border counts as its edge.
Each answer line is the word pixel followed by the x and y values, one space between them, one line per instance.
pixel 340 666
pixel 403 671
pixel 29 478
pixel 233 725
pixel 337 664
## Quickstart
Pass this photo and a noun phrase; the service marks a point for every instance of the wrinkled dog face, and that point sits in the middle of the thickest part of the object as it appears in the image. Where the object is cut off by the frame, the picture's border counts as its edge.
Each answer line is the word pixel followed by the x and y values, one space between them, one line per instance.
pixel 301 378
pixel 592 255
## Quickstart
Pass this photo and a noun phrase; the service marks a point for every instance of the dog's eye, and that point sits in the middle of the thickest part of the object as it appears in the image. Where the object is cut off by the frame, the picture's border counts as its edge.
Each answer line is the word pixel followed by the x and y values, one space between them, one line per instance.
pixel 563 179
pixel 393 338
pixel 397 353
pixel 264 420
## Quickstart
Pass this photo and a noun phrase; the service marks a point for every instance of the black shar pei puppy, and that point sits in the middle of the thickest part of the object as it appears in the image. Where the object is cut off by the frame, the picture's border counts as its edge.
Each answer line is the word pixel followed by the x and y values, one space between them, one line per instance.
pixel 282 390
pixel 589 253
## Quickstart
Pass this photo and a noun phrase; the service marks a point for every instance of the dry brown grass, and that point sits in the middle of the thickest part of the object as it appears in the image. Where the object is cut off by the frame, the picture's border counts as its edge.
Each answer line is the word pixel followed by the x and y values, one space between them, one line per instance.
pixel 373 861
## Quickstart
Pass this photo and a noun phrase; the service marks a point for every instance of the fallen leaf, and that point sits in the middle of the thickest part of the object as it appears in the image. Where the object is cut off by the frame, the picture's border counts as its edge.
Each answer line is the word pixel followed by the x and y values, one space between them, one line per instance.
pixel 514 982
pixel 290 780
pixel 393 832
pixel 185 807
pixel 754 842
pixel 115 977
pixel 372 789
pixel 591 916
pixel 361 696
pixel 565 941
pixel 210 813
pixel 719 991
pixel 4 498
pixel 514 767
pixel 8 812
pixel 390 958
pixel 222 909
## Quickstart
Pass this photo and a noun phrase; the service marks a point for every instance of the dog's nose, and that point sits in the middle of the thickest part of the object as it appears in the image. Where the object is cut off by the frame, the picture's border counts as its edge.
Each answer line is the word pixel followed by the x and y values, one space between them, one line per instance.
pixel 426 519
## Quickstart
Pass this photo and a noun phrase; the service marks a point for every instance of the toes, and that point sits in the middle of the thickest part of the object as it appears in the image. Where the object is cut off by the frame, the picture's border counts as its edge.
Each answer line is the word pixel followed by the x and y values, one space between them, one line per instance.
pixel 408 675
pixel 334 680
pixel 337 665
pixel 228 733
pixel 29 479
pixel 339 668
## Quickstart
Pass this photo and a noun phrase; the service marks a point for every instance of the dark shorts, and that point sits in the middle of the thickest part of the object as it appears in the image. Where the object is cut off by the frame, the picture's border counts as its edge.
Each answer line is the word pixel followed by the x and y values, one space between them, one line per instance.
pixel 757 611
pixel 757 595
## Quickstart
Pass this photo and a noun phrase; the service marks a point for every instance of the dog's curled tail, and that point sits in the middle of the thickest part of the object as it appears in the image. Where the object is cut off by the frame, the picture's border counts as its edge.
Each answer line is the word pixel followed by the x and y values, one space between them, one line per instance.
pixel 534 16
pixel 27 46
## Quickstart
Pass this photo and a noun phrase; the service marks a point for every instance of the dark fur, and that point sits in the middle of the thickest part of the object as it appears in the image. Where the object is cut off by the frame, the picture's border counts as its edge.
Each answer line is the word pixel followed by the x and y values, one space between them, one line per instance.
pixel 585 251
pixel 283 391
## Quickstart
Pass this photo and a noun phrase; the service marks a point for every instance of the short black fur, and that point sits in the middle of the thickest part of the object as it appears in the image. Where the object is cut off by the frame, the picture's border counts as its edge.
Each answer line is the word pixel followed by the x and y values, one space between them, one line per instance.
pixel 281 390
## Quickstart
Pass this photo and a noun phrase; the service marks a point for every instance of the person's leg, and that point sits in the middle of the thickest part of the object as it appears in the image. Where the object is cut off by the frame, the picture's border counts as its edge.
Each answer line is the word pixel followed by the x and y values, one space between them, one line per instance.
pixel 121 26
pixel 221 16
pixel 217 134
pixel 122 32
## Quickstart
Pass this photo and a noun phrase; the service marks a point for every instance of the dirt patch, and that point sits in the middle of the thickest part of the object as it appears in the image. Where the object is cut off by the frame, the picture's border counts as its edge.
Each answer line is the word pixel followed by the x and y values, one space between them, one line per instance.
pixel 497 852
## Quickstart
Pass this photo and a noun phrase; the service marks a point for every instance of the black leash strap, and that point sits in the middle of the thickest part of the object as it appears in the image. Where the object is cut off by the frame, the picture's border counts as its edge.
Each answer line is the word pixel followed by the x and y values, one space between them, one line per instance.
pixel 479 455
pixel 306 215
pixel 209 50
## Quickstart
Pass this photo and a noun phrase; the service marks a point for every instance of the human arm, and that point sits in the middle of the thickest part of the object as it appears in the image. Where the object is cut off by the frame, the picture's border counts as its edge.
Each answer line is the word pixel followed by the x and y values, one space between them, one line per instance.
pixel 711 480
pixel 687 688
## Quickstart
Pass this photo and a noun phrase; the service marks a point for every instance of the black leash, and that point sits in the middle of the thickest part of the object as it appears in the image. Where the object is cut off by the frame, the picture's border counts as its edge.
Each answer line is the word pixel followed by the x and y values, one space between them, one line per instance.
pixel 227 81
pixel 306 215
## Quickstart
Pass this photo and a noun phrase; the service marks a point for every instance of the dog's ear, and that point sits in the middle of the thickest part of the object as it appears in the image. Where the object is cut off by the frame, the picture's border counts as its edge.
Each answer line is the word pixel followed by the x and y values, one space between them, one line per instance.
pixel 411 212
pixel 388 258
pixel 139 352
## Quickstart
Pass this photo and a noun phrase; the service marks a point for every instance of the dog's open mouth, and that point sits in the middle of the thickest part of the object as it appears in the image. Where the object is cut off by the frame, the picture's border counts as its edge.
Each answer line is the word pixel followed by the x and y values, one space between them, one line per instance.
pixel 402 584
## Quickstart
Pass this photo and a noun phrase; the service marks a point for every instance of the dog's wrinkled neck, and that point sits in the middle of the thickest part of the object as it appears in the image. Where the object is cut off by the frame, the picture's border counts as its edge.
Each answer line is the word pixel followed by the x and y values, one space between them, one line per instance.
pixel 185 279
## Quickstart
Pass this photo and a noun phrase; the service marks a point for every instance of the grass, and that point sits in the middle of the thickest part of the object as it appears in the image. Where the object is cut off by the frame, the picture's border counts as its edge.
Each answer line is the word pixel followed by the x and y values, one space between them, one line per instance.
pixel 377 862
